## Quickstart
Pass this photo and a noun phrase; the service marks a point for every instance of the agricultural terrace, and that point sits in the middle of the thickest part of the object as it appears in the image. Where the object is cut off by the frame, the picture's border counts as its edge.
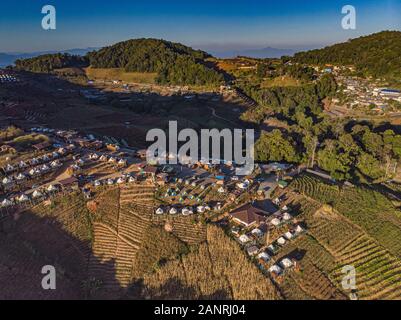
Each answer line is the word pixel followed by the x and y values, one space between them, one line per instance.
pixel 218 269
pixel 355 230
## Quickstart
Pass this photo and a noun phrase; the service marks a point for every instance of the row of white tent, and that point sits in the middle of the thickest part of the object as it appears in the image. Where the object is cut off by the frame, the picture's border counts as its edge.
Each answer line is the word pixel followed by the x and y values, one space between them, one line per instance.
pixel 121 180
pixel 284 264
pixel 186 211
pixel 35 161
pixel 40 170
pixel 104 158
pixel 37 194
pixel 7 78
pixel 45 130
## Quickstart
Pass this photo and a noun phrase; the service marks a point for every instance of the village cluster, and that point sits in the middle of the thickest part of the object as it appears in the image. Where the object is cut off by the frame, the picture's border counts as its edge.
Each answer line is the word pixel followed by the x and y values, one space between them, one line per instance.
pixel 7 77
pixel 70 161
pixel 363 93
pixel 262 228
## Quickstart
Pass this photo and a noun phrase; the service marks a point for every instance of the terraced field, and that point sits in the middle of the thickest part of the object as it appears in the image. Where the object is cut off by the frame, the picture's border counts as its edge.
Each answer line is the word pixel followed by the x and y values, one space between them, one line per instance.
pixel 120 241
pixel 378 271
pixel 368 209
pixel 345 234
pixel 142 194
pixel 218 269
pixel 190 230
pixel 121 222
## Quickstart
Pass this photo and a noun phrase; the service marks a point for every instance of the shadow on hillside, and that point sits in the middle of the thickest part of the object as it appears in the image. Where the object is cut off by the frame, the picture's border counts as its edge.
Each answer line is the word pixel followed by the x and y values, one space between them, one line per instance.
pixel 29 242
pixel 53 100
pixel 173 289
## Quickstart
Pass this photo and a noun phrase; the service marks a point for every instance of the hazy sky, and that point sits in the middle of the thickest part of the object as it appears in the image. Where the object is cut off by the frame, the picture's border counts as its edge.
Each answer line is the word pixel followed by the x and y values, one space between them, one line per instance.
pixel 207 24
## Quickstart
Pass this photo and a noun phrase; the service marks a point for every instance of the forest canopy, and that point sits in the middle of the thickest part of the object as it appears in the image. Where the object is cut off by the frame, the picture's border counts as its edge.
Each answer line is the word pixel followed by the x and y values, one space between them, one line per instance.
pixel 174 62
pixel 376 55
pixel 49 62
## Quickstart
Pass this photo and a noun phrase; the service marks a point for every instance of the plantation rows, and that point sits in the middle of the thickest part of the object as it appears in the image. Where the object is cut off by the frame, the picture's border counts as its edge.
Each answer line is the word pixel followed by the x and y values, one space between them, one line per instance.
pixel 108 207
pixel 370 210
pixel 316 283
pixel 141 194
pixel 332 230
pixel 378 272
pixel 102 263
pixel 125 221
pixel 187 229
pixel 218 269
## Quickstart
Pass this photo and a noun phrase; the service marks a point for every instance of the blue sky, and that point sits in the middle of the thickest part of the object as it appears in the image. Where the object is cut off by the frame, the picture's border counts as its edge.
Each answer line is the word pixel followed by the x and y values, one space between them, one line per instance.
pixel 207 24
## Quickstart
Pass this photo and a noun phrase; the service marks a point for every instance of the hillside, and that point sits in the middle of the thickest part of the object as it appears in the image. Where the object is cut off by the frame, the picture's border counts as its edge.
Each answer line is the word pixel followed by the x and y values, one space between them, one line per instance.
pixel 49 62
pixel 173 62
pixel 376 55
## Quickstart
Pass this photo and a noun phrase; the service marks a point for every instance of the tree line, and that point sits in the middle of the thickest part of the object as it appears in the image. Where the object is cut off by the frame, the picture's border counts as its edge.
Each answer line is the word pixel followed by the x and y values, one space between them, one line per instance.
pixel 49 62
pixel 376 55
pixel 346 149
pixel 173 62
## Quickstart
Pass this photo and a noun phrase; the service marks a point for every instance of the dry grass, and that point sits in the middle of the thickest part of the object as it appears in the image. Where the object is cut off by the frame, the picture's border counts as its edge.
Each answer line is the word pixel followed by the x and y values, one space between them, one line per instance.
pixel 284 81
pixel 218 269
pixel 120 74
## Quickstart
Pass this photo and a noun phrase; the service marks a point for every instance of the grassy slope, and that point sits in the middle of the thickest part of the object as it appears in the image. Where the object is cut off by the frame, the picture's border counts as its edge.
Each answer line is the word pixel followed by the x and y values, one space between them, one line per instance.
pixel 120 74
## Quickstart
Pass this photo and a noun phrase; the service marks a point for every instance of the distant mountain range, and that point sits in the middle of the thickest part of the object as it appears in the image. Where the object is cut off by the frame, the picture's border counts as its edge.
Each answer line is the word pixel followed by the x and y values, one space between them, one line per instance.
pixel 267 52
pixel 9 58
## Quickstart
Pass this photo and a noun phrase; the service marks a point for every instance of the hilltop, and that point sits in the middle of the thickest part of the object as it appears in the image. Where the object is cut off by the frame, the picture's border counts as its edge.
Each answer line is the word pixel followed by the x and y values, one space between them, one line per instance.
pixel 173 63
pixel 376 55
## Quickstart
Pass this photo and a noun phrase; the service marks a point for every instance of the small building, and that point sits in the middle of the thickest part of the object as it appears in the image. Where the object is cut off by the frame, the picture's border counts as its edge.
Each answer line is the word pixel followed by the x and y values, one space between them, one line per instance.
pixel 244 239
pixel 6 203
pixel 275 269
pixel 251 214
pixel 299 229
pixel 7 181
pixel 275 222
pixel 252 250
pixel 120 180
pixel 51 188
pixel 264 256
pixel 36 194
pixel 281 241
pixel 286 263
pixel 257 232
pixel 288 235
pixel 287 216
pixel 23 198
